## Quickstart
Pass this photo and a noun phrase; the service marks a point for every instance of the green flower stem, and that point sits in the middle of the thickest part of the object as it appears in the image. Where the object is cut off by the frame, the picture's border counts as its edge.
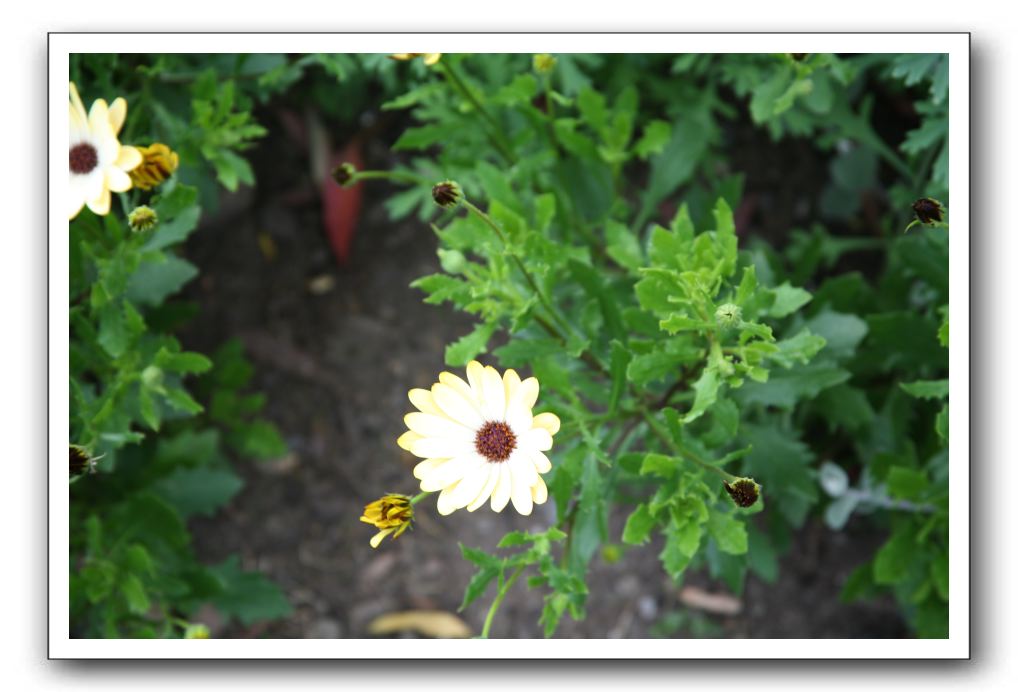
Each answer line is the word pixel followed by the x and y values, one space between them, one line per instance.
pixel 529 278
pixel 420 496
pixel 395 176
pixel 495 133
pixel 681 450
pixel 498 601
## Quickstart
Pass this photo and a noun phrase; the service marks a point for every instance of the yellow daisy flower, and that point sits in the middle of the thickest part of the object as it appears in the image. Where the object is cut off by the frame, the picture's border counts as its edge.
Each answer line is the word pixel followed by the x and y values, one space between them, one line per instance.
pixel 479 439
pixel 391 513
pixel 99 163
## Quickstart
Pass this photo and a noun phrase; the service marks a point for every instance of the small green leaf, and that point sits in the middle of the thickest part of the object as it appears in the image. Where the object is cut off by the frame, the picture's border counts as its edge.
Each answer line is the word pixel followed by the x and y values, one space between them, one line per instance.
pixel 706 389
pixel 788 299
pixel 729 532
pixel 134 593
pixel 638 526
pixel 927 389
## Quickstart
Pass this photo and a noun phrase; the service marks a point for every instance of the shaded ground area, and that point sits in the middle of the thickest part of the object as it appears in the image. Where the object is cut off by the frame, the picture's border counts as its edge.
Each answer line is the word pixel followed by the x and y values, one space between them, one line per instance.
pixel 336 363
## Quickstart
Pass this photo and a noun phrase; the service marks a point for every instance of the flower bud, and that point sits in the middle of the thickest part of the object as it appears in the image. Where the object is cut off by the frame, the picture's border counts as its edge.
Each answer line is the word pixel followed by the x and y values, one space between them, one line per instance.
pixel 391 513
pixel 142 219
pixel 447 194
pixel 344 173
pixel 928 210
pixel 744 491
pixel 728 315
pixel 152 376
pixel 196 631
pixel 543 63
pixel 81 461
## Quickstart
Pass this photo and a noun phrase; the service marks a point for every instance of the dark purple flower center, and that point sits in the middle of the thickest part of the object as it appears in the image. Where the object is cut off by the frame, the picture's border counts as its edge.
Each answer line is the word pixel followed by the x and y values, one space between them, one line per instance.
pixel 495 441
pixel 84 158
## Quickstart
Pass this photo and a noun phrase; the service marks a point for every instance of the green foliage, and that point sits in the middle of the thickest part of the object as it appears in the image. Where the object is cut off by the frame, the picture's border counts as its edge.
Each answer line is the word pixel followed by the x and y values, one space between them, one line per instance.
pixel 676 355
pixel 151 414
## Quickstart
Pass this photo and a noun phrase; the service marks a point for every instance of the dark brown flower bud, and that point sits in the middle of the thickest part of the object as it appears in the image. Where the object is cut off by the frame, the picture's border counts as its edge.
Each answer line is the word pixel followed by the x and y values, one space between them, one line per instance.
pixel 81 461
pixel 343 173
pixel 798 57
pixel 447 194
pixel 928 210
pixel 744 491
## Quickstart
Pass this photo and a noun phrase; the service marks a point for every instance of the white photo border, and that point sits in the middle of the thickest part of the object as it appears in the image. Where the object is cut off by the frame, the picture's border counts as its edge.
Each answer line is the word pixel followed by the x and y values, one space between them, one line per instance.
pixel 957 45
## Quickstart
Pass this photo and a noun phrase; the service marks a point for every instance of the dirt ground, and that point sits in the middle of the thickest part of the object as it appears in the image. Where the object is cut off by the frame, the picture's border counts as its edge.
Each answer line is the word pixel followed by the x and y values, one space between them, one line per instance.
pixel 336 362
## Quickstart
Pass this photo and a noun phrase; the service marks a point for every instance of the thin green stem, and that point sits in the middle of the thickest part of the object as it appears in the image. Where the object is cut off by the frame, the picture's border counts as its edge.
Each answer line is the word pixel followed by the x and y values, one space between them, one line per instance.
pixel 498 601
pixel 526 274
pixel 680 450
pixel 497 138
pixel 419 496
pixel 395 176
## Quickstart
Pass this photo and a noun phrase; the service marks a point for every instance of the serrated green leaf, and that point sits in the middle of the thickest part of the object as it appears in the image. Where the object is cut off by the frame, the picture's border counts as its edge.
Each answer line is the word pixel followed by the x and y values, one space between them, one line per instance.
pixel 788 299
pixel 729 532
pixel 622 245
pixel 469 346
pixel 927 389
pixel 248 596
pixel 156 280
pixel 706 388
pixel 198 490
pixel 638 526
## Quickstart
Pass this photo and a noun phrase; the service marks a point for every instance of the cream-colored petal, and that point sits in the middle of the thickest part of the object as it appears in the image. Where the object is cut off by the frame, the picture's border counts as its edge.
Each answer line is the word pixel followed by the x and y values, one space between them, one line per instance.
pixel 78 125
pixel 433 447
pixel 117 180
pixel 519 413
pixel 519 418
pixel 511 380
pixel 494 394
pixel 502 491
pixel 455 406
pixel 522 466
pixel 529 389
pixel 430 425
pixel 539 491
pixel 523 502
pixel 444 504
pixel 454 470
pixel 407 439
pixel 548 421
pixel 457 383
pixel 475 376
pixel 117 113
pixel 493 475
pixel 76 103
pixel 76 192
pixel 422 399
pixel 537 438
pixel 424 468
pixel 540 460
pixel 377 538
pixel 128 159
pixel 101 205
pixel 467 489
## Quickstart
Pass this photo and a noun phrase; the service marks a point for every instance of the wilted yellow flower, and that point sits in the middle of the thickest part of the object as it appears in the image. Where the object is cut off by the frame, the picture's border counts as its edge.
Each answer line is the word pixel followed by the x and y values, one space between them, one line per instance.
pixel 158 163
pixel 391 513
pixel 429 58
pixel 99 163
pixel 481 440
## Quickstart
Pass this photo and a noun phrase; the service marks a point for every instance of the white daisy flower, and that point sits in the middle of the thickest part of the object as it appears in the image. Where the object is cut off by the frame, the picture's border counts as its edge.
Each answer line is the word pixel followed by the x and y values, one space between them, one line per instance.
pixel 99 162
pixel 480 439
